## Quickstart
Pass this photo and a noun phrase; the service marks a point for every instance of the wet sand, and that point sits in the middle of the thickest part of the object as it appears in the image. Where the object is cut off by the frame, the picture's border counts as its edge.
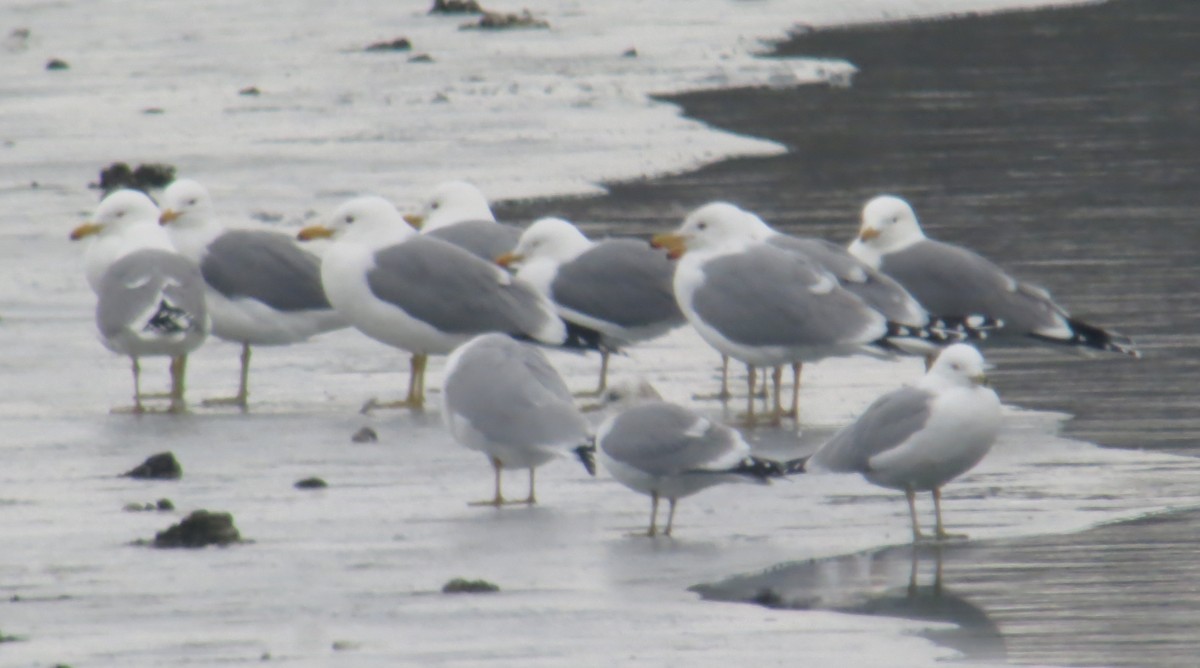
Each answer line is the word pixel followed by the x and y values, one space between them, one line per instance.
pixel 1062 144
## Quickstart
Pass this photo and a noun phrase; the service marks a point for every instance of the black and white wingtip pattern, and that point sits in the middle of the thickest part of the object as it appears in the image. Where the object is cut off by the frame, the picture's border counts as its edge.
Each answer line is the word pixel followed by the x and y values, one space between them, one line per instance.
pixel 1091 336
pixel 587 456
pixel 763 469
pixel 939 331
pixel 169 320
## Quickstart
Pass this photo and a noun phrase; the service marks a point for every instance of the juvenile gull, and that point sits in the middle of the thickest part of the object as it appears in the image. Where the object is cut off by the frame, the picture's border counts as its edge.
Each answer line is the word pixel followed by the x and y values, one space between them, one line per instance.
pixel 766 306
pixel 261 287
pixel 419 293
pixel 458 212
pixel 950 280
pixel 919 438
pixel 666 451
pixel 619 288
pixel 150 299
pixel 504 399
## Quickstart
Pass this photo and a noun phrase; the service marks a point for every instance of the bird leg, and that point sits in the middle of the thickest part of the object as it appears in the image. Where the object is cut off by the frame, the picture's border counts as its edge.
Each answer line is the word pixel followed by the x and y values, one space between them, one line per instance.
pixel 911 495
pixel 937 511
pixel 653 530
pixel 670 516
pixel 603 384
pixel 531 499
pixel 794 413
pixel 751 381
pixel 777 383
pixel 416 389
pixel 137 408
pixel 497 500
pixel 724 394
pixel 241 398
pixel 178 377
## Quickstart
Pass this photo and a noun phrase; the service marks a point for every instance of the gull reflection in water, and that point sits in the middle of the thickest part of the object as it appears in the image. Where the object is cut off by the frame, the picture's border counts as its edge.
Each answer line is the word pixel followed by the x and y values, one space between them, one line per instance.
pixel 903 581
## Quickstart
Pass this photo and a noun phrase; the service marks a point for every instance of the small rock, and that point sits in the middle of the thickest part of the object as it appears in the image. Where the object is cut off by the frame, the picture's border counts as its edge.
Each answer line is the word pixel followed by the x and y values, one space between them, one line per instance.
pixel 164 505
pixel 344 645
pixel 464 586
pixel 421 58
pixel 137 507
pixel 311 483
pixel 398 44
pixel 365 435
pixel 250 90
pixel 162 466
pixel 199 529
pixel 154 175
pixel 7 638
pixel 154 111
pixel 502 21
pixel 118 175
pixel 57 64
pixel 455 7
pixel 267 216
pixel 630 53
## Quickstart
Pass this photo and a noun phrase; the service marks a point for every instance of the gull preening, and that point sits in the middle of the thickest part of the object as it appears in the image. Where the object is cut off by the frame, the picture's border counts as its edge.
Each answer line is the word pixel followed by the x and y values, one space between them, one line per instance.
pixel 504 399
pixel 419 293
pixel 918 438
pixel 150 299
pixel 618 288
pixel 951 280
pixel 262 289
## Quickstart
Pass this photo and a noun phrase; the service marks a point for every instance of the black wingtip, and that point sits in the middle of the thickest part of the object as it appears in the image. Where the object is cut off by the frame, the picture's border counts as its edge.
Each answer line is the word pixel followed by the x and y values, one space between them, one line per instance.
pixel 587 456
pixel 1090 336
pixel 794 466
pixel 582 338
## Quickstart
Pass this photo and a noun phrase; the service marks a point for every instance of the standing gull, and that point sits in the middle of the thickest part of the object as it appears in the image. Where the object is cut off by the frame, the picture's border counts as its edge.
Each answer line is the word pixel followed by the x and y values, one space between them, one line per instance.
pixel 664 450
pixel 950 280
pixel 457 212
pixel 150 299
pixel 620 288
pixel 419 293
pixel 919 438
pixel 503 398
pixel 766 306
pixel 261 288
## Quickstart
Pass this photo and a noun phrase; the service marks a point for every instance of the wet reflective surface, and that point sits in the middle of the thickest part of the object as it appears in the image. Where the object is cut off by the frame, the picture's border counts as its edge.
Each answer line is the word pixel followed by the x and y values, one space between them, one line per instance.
pixel 1063 145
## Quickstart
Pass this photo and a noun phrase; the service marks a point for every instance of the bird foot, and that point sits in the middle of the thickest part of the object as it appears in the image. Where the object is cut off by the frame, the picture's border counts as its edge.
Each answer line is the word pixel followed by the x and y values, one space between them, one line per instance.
pixel 373 403
pixel 500 501
pixel 173 409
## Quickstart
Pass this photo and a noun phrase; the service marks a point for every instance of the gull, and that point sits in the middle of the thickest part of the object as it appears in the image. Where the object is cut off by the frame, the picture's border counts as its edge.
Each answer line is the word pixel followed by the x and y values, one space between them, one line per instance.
pixel 503 398
pixel 261 287
pixel 419 293
pixel 150 299
pixel 664 450
pixel 618 288
pixel 458 212
pixel 918 438
pixel 951 280
pixel 766 306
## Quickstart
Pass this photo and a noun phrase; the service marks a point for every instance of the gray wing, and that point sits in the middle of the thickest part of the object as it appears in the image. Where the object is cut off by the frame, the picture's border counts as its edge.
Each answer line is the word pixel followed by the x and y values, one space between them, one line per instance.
pixel 622 281
pixel 875 288
pixel 953 281
pixel 482 238
pixel 886 423
pixel 763 297
pixel 153 293
pixel 660 438
pixel 267 266
pixel 455 291
pixel 509 391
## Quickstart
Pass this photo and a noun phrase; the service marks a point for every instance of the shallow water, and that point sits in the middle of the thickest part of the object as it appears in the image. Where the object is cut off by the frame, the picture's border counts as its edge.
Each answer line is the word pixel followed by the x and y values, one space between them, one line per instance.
pixel 352 574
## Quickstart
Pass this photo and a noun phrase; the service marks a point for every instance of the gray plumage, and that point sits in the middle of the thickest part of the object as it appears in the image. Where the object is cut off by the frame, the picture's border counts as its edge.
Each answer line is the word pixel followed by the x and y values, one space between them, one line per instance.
pixel 453 290
pixel 953 281
pixel 266 266
pixel 876 289
pixel 764 297
pixel 887 423
pixel 622 281
pixel 483 238
pixel 151 302
pixel 662 439
pixel 508 392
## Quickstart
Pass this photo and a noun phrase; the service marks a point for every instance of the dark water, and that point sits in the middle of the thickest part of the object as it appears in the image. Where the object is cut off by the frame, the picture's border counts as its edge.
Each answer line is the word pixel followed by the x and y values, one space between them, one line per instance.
pixel 1064 144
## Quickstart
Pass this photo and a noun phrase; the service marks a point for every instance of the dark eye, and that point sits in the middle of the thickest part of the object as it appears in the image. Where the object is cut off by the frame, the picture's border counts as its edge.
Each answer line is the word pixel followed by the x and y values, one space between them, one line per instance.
pixel 349 219
pixel 434 205
pixel 191 202
pixel 702 226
